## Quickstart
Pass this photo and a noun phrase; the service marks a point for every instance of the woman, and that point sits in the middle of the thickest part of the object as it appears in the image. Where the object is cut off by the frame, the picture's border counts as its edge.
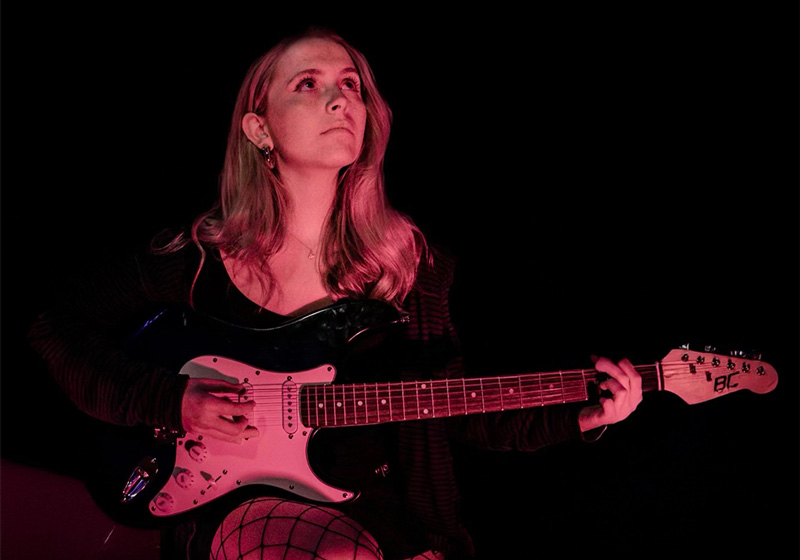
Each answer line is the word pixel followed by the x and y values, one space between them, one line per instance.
pixel 302 222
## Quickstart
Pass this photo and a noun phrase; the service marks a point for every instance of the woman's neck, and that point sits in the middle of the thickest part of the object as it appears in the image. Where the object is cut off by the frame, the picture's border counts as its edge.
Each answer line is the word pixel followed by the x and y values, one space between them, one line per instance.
pixel 312 197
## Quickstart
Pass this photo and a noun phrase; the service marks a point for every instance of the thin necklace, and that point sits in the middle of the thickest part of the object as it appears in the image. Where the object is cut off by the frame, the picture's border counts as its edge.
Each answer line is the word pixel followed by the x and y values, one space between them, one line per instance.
pixel 311 254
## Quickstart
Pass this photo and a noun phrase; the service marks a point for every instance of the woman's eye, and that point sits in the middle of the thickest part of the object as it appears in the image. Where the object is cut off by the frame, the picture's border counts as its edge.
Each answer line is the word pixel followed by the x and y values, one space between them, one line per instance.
pixel 308 84
pixel 351 84
pixel 305 84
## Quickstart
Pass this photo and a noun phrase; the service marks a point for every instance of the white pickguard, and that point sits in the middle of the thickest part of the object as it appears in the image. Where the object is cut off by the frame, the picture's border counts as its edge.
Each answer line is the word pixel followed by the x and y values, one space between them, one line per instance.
pixel 207 468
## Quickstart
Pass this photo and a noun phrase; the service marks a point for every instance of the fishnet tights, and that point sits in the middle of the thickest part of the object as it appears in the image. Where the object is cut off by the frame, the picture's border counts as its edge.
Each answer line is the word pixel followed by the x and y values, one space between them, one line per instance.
pixel 274 529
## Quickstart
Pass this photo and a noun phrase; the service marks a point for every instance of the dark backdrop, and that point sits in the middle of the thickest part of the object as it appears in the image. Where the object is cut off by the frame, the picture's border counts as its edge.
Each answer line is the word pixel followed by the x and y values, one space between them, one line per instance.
pixel 613 181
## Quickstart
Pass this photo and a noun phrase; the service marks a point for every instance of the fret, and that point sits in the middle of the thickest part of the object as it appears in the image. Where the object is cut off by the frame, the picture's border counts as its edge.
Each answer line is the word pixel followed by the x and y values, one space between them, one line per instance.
pixel 305 406
pixel 492 400
pixel 341 405
pixel 424 399
pixel 318 404
pixel 403 400
pixel 389 398
pixel 350 407
pixel 551 388
pixel 359 406
pixel 318 411
pixel 373 397
pixel 473 396
pixel 397 401
pixel 382 402
pixel 447 392
pixel 441 400
pixel 575 387
pixel 457 397
pixel 531 390
pixel 370 404
pixel 510 393
pixel 592 378
pixel 330 405
pixel 335 405
pixel 324 406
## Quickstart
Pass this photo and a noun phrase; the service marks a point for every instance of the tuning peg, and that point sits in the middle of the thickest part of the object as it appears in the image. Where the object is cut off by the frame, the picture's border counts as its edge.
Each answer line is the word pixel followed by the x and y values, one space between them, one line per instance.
pixel 746 354
pixel 709 348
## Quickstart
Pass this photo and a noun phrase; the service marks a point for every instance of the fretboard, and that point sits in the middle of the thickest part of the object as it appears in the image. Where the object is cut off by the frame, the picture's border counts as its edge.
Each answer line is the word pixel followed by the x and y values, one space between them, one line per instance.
pixel 357 404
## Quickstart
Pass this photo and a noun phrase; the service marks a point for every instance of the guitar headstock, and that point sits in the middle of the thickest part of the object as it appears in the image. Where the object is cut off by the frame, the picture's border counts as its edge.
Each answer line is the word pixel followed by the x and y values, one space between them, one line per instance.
pixel 701 376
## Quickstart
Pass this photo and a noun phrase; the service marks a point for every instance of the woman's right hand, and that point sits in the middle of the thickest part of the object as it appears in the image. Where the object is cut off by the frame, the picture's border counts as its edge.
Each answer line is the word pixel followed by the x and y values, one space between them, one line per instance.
pixel 210 407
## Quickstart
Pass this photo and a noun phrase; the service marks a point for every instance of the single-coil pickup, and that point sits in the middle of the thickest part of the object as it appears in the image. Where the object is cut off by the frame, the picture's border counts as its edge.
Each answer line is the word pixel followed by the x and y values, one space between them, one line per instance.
pixel 289 405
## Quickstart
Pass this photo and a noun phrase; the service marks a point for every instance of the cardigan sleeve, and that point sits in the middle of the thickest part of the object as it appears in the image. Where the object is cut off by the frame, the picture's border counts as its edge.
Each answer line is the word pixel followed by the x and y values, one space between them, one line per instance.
pixel 81 337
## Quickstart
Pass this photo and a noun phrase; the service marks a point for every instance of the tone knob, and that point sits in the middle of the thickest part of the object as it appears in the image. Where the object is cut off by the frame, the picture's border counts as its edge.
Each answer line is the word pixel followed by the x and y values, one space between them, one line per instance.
pixel 184 477
pixel 163 502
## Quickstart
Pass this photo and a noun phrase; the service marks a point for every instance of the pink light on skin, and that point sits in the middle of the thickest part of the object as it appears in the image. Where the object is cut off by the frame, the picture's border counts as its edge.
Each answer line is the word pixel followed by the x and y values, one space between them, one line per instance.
pixel 343 126
pixel 315 90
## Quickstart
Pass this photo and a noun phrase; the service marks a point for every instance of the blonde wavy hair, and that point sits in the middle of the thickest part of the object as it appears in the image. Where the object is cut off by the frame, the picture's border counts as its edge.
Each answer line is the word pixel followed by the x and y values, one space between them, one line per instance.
pixel 368 248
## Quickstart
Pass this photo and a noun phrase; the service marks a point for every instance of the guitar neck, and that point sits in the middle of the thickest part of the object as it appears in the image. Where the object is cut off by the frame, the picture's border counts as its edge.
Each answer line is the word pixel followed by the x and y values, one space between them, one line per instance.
pixel 357 404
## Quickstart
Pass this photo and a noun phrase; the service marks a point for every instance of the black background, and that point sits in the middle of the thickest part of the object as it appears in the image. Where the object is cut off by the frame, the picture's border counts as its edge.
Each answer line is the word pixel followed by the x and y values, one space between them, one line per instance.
pixel 613 181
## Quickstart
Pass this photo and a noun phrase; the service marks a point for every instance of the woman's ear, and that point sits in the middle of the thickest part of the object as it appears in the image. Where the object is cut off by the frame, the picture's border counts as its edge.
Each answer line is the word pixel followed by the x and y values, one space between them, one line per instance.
pixel 255 128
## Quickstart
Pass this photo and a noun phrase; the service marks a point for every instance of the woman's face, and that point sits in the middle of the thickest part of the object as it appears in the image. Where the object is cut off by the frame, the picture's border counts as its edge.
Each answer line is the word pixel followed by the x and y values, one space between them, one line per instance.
pixel 315 113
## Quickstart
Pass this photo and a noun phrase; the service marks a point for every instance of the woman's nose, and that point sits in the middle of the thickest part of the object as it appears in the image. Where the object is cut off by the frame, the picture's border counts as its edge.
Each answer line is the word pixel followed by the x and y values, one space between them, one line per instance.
pixel 337 101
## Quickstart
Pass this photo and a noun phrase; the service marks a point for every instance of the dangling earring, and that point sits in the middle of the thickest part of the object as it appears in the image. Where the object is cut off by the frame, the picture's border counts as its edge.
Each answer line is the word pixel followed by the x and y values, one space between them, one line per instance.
pixel 268 157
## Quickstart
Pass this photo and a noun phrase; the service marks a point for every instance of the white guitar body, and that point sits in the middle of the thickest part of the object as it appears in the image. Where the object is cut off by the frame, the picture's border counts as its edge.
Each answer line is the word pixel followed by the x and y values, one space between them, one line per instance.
pixel 207 468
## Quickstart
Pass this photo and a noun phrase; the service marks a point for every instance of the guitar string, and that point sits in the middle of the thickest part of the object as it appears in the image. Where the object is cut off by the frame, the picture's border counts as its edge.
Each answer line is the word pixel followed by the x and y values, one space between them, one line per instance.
pixel 340 402
pixel 336 406
pixel 268 391
pixel 529 382
pixel 544 377
pixel 650 368
pixel 441 392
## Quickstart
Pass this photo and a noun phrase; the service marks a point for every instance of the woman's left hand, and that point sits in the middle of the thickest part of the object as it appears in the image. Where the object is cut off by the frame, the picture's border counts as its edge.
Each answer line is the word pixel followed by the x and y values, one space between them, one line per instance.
pixel 625 385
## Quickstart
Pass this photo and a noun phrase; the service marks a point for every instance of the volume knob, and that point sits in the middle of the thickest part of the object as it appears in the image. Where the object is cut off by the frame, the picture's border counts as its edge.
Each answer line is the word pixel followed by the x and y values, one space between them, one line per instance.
pixel 197 450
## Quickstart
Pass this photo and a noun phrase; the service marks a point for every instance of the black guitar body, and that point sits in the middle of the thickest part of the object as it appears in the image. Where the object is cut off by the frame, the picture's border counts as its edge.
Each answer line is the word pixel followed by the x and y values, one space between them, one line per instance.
pixel 355 336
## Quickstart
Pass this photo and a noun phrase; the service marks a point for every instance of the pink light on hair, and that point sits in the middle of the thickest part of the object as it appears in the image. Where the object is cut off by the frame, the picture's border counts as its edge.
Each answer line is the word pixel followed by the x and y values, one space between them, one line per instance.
pixel 369 249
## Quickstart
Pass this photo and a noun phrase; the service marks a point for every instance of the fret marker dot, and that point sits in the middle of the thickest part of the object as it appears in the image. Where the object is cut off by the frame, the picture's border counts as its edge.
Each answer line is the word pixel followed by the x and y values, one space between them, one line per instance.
pixel 473 395
pixel 383 401
pixel 550 386
pixel 511 391
pixel 424 386
pixel 360 403
pixel 338 404
pixel 425 411
pixel 320 405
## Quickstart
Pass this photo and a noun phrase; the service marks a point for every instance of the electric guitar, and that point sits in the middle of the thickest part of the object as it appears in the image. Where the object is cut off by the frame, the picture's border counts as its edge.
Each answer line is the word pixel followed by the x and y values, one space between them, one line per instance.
pixel 298 393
